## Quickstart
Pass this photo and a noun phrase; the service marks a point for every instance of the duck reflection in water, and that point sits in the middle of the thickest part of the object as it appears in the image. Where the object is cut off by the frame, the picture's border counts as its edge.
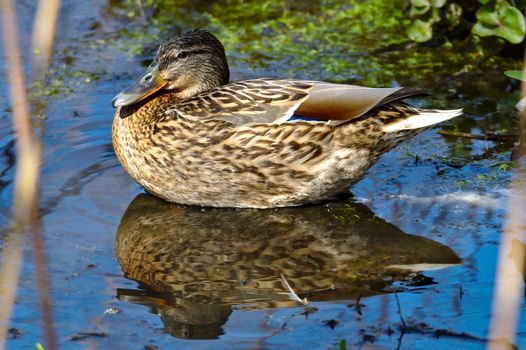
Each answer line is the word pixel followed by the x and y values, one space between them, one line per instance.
pixel 193 264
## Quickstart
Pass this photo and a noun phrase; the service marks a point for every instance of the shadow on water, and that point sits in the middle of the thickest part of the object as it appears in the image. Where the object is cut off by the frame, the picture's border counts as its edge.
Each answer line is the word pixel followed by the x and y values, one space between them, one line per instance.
pixel 193 264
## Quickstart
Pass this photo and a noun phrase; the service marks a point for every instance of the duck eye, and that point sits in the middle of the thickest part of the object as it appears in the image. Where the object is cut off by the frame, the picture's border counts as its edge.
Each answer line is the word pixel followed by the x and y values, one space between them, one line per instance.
pixel 182 54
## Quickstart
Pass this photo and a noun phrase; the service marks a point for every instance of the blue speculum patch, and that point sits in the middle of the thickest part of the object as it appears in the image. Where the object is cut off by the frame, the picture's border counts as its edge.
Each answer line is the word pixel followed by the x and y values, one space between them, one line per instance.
pixel 300 117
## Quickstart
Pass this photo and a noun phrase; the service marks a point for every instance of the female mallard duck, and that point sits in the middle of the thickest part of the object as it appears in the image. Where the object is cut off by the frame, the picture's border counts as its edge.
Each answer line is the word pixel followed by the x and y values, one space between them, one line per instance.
pixel 188 135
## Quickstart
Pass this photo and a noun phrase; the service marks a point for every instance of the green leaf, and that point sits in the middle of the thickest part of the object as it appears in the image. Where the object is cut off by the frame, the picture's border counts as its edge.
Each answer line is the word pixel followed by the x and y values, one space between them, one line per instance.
pixel 438 3
pixel 419 7
pixel 420 3
pixel 483 2
pixel 513 26
pixel 417 11
pixel 487 15
pixel 420 31
pixel 39 346
pixel 516 74
pixel 501 6
pixel 504 20
pixel 481 29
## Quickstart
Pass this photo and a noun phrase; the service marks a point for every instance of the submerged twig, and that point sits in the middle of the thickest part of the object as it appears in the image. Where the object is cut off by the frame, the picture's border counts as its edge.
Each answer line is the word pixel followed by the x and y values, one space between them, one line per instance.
pixel 399 312
pixel 508 138
pixel 404 325
pixel 84 335
pixel 293 294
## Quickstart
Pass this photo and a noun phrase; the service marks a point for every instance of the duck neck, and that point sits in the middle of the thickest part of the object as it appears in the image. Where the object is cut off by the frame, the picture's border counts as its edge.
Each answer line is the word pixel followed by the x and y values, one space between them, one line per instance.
pixel 153 106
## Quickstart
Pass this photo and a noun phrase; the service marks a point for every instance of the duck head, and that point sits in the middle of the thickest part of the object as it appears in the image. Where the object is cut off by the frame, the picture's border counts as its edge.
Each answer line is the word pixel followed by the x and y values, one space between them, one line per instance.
pixel 186 64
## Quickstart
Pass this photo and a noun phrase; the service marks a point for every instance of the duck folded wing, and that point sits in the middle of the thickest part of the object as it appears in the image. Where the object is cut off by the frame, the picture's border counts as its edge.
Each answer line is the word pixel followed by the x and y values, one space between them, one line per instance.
pixel 339 103
pixel 276 101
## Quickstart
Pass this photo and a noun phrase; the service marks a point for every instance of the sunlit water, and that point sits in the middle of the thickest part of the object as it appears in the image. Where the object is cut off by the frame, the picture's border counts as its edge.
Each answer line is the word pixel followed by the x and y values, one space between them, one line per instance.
pixel 214 275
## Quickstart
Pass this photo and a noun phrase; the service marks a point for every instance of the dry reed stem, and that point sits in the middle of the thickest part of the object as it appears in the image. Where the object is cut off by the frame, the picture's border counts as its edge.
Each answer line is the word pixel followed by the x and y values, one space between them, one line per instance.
pixel 26 171
pixel 509 285
pixel 25 216
pixel 44 33
pixel 43 37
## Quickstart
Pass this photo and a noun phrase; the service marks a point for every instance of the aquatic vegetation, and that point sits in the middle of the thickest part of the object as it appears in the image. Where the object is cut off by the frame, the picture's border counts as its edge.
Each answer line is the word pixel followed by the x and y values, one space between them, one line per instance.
pixel 515 74
pixel 492 18
pixel 360 41
pixel 503 20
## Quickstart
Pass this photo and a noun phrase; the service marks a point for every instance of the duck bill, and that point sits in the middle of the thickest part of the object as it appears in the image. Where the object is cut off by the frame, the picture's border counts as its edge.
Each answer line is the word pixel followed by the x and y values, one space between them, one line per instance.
pixel 144 87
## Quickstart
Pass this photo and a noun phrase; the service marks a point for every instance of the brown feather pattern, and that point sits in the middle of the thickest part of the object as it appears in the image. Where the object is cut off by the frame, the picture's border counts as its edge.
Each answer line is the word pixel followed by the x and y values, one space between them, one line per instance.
pixel 233 145
pixel 186 152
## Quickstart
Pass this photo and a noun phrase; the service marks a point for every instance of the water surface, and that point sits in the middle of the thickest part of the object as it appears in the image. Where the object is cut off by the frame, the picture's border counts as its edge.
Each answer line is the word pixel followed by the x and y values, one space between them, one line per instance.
pixel 129 271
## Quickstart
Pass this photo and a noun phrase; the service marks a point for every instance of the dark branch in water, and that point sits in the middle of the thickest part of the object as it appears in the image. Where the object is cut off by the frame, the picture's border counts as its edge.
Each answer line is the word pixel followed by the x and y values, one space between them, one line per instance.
pixel 507 138
pixel 84 335
pixel 399 311
pixel 404 325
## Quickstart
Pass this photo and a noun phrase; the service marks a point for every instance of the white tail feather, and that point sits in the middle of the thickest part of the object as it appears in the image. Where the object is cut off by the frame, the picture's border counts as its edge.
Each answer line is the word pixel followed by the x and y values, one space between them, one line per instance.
pixel 425 118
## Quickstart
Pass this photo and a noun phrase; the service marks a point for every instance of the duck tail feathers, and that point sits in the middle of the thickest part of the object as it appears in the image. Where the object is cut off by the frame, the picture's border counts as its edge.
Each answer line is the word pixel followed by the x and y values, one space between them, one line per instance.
pixel 424 118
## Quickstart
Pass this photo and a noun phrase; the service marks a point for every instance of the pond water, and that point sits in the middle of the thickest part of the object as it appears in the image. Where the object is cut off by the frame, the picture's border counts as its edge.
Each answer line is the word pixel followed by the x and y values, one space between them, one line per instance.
pixel 407 262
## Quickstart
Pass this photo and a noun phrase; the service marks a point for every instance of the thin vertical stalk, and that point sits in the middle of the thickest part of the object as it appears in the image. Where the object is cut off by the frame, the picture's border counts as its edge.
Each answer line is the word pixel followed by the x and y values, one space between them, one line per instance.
pixel 28 155
pixel 508 294
pixel 43 38
pixel 25 217
pixel 43 34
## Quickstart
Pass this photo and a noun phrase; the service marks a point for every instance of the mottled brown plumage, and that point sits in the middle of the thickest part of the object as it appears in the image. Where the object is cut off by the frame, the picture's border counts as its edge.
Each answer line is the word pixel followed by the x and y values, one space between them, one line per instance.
pixel 188 136
pixel 193 264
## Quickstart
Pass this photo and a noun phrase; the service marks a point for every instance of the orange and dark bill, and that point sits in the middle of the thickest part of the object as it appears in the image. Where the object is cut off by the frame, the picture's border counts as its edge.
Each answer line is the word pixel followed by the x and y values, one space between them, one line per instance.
pixel 147 85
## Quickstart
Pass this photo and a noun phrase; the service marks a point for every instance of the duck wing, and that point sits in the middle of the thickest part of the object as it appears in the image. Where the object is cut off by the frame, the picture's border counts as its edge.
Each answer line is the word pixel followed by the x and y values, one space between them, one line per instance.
pixel 276 101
